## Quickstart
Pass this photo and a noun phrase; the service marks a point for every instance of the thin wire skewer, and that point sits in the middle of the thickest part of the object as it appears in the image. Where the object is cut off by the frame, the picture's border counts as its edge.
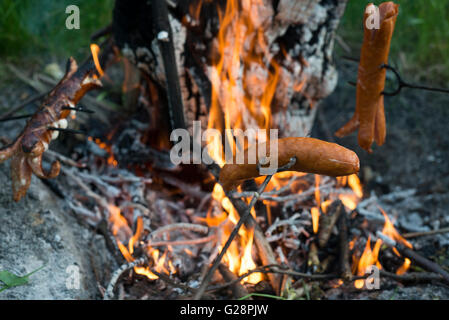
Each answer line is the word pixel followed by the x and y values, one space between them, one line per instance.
pixel 68 130
pixel 404 84
pixel 16 117
pixel 401 82
pixel 236 229
pixel 79 108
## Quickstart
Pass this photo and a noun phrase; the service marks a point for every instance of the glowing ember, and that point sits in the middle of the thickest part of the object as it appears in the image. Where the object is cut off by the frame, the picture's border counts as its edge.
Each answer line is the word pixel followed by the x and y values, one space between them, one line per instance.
pixel 111 159
pixel 352 243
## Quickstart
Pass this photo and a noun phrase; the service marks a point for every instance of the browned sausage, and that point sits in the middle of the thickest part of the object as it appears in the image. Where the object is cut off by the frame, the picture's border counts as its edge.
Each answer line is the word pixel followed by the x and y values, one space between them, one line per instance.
pixel 369 116
pixel 312 155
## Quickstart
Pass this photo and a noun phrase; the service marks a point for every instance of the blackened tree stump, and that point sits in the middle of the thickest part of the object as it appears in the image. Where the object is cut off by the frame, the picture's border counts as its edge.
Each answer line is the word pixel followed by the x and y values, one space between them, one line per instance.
pixel 298 33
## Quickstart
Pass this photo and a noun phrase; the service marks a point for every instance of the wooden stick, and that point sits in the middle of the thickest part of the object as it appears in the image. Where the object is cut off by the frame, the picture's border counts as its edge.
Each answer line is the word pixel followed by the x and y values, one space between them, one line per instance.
pixel 345 268
pixel 425 233
pixel 109 294
pixel 414 256
pixel 328 222
pixel 179 226
pixel 101 32
pixel 412 276
pixel 165 41
pixel 238 290
pixel 182 242
pixel 277 269
pixel 422 261
pixel 233 234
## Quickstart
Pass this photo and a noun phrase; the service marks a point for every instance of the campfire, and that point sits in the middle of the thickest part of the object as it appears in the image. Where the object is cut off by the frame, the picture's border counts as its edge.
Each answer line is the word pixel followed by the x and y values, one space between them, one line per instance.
pixel 182 227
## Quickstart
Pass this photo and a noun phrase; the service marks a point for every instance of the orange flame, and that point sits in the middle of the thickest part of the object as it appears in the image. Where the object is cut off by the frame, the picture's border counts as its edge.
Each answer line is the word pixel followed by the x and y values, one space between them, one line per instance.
pixel 368 258
pixel 95 49
pixel 350 201
pixel 238 261
pixel 390 231
pixel 315 218
pixel 118 221
pixel 244 76
pixel 403 269
pixel 317 190
pixel 135 238
pixel 356 186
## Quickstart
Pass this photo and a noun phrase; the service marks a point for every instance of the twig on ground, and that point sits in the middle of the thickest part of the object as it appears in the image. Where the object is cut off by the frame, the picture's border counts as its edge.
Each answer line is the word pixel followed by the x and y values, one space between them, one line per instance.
pixel 92 218
pixel 182 242
pixel 172 282
pixel 412 276
pixel 109 294
pixel 414 256
pixel 425 233
pixel 188 189
pixel 179 226
pixel 63 159
pixel 345 268
pixel 106 188
pixel 328 222
pixel 269 269
pixel 101 200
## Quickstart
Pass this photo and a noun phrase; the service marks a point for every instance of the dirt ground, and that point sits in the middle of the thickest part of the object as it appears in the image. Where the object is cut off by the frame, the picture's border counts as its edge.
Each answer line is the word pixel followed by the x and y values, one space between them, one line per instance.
pixel 417 144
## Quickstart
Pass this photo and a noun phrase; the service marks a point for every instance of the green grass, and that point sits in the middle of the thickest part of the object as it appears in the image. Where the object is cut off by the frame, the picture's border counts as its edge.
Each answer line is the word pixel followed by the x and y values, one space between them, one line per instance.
pixel 32 29
pixel 420 44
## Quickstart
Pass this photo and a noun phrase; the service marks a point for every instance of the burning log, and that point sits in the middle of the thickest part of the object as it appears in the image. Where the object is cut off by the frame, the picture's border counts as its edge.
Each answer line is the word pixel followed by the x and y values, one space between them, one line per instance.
pixel 279 44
